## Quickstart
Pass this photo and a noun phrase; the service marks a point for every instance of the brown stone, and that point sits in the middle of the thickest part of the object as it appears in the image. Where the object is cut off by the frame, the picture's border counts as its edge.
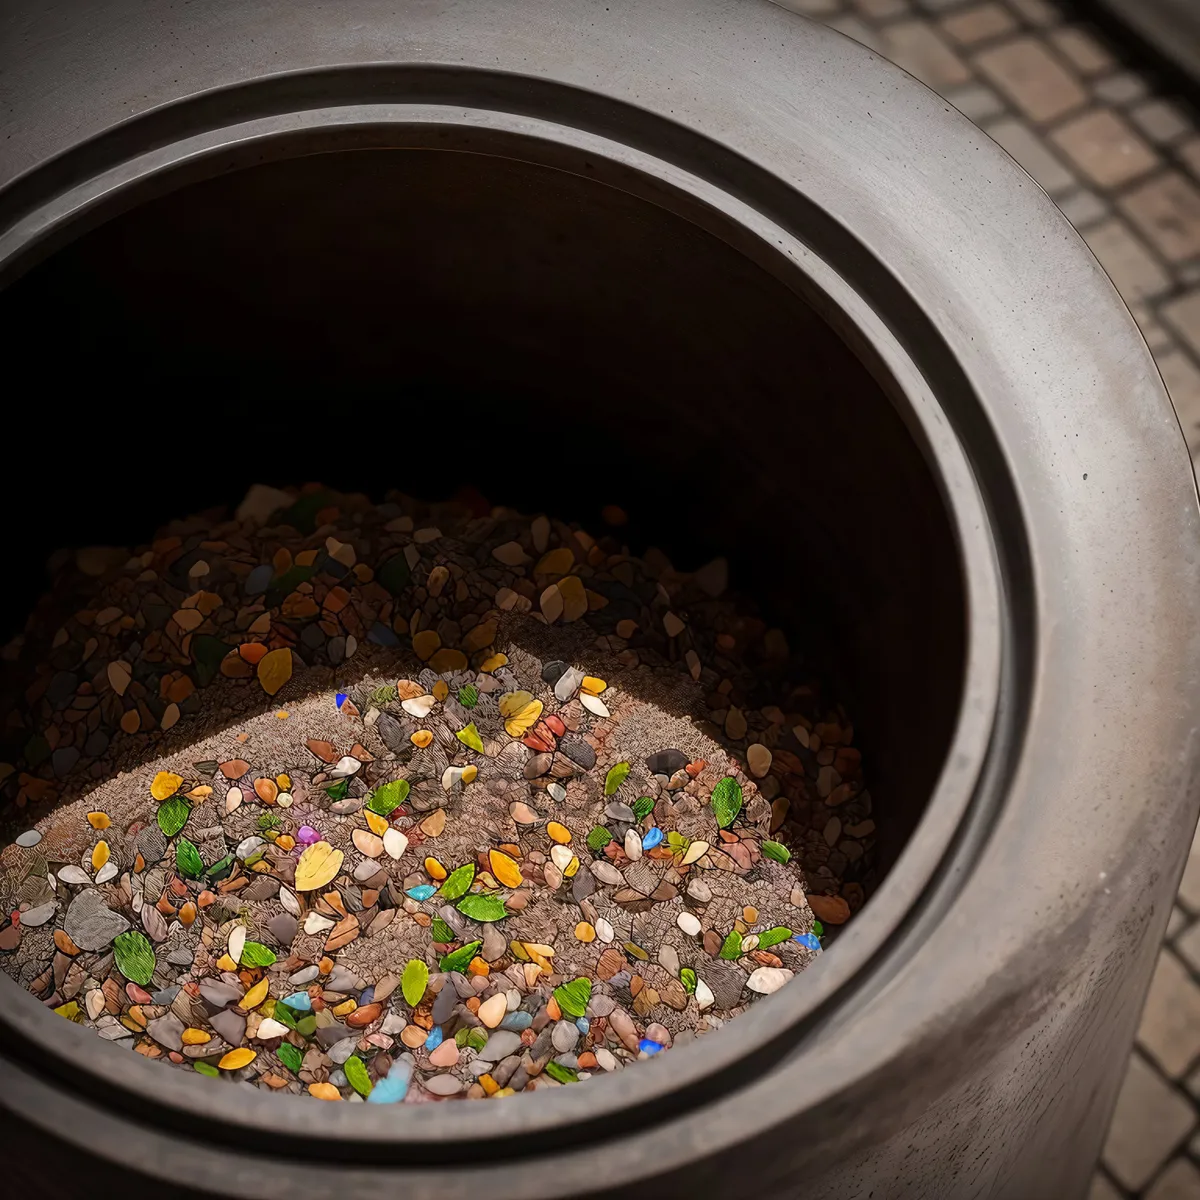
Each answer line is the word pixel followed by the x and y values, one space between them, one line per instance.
pixel 609 963
pixel 325 751
pixel 343 933
pixel 362 1017
pixel 235 768
pixel 712 943
pixel 831 910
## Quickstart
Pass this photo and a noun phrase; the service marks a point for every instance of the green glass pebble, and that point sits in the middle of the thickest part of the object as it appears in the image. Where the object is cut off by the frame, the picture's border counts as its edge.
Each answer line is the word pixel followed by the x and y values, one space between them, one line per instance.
pixel 414 981
pixel 818 929
pixel 386 799
pixel 383 696
pixel 289 1055
pixel 643 806
pixel 203 1068
pixel 781 854
pixel 483 908
pixel 356 1073
pixel 573 997
pixel 460 1038
pixel 563 1074
pixel 255 954
pixel 307 1026
pixel 337 791
pixel 441 932
pixel 470 738
pixel 173 815
pixel 688 978
pixel 457 883
pixel 731 948
pixel 457 960
pixel 772 937
pixel 268 820
pixel 617 774
pixel 188 860
pixel 677 842
pixel 468 695
pixel 477 1039
pixel 598 838
pixel 727 801
pixel 134 956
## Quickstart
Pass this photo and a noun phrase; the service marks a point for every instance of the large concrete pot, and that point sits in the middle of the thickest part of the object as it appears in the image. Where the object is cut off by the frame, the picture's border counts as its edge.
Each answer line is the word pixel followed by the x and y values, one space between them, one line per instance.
pixel 778 294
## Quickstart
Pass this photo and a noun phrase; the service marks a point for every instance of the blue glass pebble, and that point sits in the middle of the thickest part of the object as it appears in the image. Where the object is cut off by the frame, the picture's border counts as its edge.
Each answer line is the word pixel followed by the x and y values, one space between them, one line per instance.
pixel 808 940
pixel 259 579
pixel 583 1025
pixel 381 635
pixel 653 838
pixel 517 1021
pixel 366 997
pixel 394 1087
pixel 421 892
pixel 434 1040
pixel 646 1046
pixel 299 1001
pixel 339 698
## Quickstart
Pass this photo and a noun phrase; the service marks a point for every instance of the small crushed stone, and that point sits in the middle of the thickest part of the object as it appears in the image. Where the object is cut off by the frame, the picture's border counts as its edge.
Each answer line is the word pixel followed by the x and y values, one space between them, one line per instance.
pixel 401 802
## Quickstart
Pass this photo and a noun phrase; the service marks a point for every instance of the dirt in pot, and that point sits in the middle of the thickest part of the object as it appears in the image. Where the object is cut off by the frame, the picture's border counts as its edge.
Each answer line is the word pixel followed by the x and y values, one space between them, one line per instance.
pixel 408 802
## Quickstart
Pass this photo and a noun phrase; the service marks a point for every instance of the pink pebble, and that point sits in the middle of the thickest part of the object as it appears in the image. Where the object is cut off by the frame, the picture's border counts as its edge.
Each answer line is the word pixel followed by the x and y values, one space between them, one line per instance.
pixel 446 1055
pixel 307 835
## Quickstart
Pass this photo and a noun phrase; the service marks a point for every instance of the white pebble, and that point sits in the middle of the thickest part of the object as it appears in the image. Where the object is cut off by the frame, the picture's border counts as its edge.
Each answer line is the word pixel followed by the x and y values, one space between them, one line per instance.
pixel 765 980
pixel 688 923
pixel 604 931
pixel 593 704
pixel 605 1058
pixel 704 997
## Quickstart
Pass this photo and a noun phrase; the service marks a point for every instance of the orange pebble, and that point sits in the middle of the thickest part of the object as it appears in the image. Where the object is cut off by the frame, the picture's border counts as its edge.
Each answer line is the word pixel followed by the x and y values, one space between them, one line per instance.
pixel 477 966
pixel 552 1009
pixel 587 1060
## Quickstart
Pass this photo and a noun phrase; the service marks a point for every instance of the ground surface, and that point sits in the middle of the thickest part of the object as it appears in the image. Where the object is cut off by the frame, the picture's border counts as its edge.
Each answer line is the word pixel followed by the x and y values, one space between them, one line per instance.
pixel 1116 146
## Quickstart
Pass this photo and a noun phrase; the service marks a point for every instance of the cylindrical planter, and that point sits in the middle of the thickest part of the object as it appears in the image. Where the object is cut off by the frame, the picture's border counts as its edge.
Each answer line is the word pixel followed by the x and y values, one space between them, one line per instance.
pixel 762 285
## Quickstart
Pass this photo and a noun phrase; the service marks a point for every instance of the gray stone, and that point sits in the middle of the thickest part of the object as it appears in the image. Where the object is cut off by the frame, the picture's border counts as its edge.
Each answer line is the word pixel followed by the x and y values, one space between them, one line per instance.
pixel 283 928
pixel 538 765
pixel 33 917
pixel 29 838
pixel 230 1025
pixel 666 762
pixel 216 994
pixel 154 923
pixel 167 1031
pixel 340 1051
pixel 342 979
pixel 330 1035
pixel 500 1045
pixel 181 958
pixel 616 811
pixel 568 684
pixel 564 1036
pixel 90 923
pixel 151 844
pixel 699 891
pixel 725 981
pixel 445 1004
pixel 305 975
pixel 579 752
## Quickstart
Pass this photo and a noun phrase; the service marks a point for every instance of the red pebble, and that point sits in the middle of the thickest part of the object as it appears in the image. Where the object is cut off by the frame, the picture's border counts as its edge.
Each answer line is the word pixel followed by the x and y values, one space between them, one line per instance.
pixel 555 725
pixel 694 768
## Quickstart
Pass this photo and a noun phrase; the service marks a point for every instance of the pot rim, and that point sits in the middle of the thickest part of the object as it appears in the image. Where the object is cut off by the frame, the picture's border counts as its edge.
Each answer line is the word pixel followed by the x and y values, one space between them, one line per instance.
pixel 666 166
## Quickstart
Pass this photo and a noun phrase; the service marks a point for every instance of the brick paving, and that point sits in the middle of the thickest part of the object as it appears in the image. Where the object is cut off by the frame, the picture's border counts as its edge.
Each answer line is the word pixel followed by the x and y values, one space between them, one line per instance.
pixel 1101 130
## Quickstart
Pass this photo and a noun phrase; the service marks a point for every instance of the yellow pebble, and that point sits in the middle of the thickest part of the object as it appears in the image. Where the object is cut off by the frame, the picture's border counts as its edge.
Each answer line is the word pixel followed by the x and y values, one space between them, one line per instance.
pixel 477 966
pixel 488 1084
pixel 503 1092
pixel 493 664
pixel 324 1091
pixel 196 1037
pixel 281 715
pixel 441 690
pixel 470 772
pixel 584 932
pixel 284 781
pixel 165 785
pixel 555 562
pixel 558 833
pixel 226 963
pixel 434 869
pixel 592 685
pixel 99 820
pixel 236 1059
pixel 345 1008
pixel 200 793
pixel 256 995
pixel 447 660
pixel 505 868
pixel 750 914
pixel 378 825
pixel 99 855
pixel 572 867
pixel 424 645
pixel 421 738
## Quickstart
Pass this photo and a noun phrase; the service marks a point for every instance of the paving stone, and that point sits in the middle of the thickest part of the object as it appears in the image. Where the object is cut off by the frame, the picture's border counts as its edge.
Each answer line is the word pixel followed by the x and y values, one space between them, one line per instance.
pixel 1036 12
pixel 976 102
pixel 1166 211
pixel 1105 147
pixel 1134 270
pixel 1086 53
pixel 1182 378
pixel 1150 1120
pixel 875 10
pixel 1082 207
pixel 1183 316
pixel 1102 1189
pixel 1031 152
pixel 1179 1181
pixel 1161 121
pixel 1170 1027
pixel 1123 87
pixel 974 25
pixel 1025 71
pixel 856 28
pixel 1178 921
pixel 922 51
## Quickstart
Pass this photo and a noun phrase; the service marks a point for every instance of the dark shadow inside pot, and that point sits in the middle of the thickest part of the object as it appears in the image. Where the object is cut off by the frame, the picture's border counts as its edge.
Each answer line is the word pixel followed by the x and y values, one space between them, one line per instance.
pixel 430 320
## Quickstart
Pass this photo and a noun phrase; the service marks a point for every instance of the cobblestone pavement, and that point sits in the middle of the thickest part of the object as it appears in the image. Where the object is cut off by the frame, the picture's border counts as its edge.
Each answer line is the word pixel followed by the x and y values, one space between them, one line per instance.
pixel 1101 130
